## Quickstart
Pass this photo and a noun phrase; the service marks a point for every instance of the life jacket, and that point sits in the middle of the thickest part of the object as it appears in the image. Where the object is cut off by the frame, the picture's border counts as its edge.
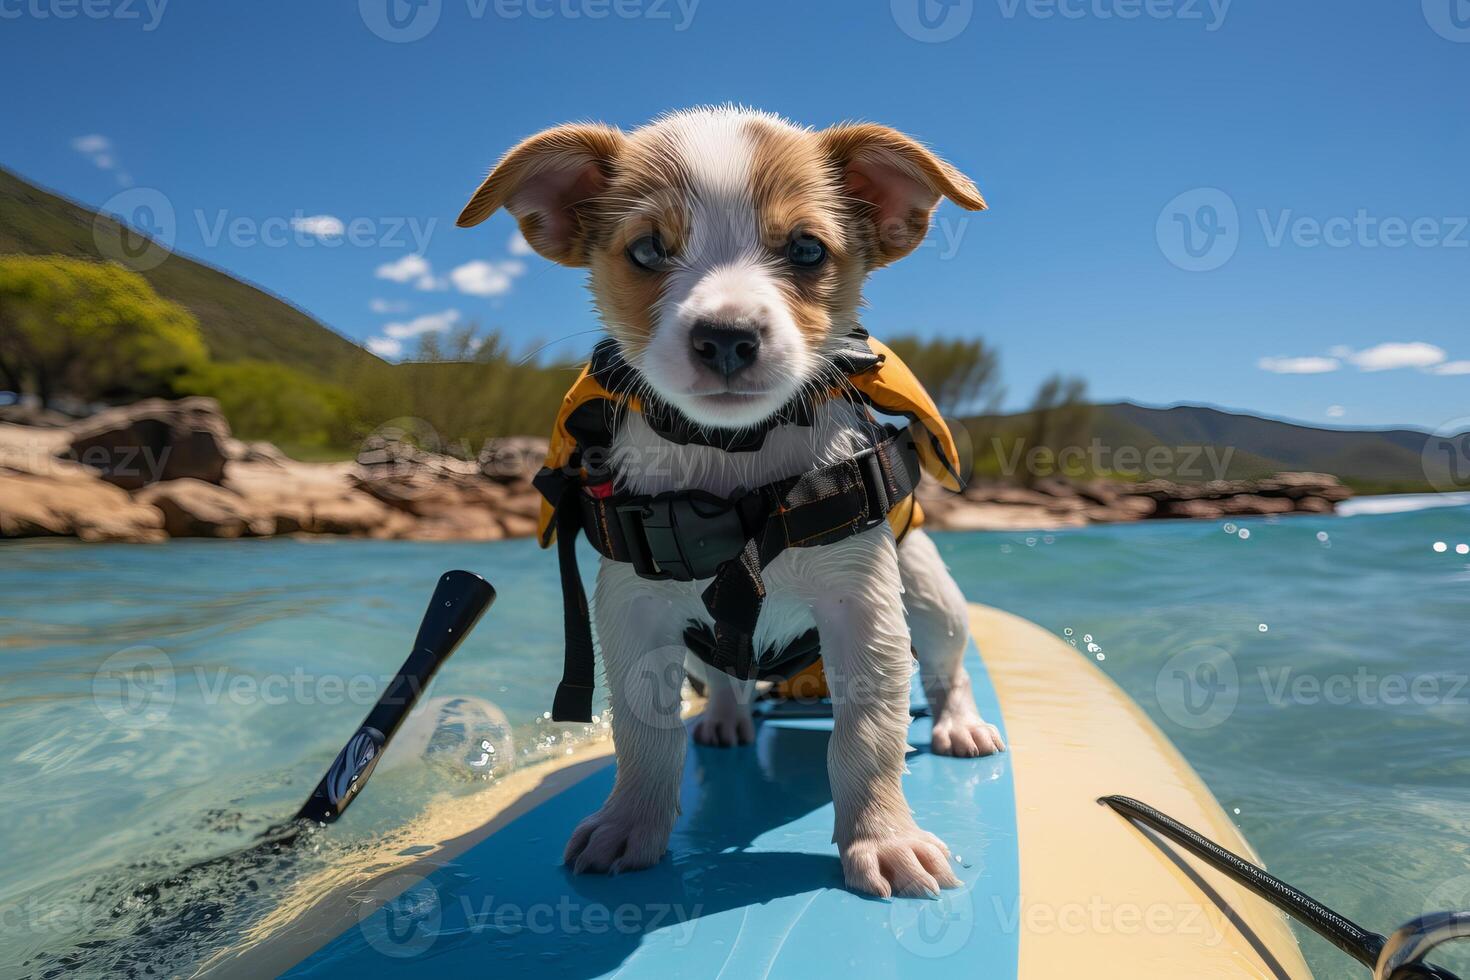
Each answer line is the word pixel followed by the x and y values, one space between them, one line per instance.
pixel 690 535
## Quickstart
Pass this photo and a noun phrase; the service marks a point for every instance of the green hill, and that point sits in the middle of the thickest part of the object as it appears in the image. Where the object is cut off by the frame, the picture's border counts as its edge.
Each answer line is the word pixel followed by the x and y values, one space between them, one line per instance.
pixel 238 320
pixel 1370 460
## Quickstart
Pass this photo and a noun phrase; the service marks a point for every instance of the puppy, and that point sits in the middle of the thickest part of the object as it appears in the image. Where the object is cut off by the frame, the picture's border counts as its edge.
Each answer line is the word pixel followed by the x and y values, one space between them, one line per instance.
pixel 726 251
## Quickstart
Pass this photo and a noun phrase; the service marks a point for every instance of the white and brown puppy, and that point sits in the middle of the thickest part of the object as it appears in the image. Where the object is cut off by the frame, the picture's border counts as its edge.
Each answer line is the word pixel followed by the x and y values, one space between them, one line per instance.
pixel 727 249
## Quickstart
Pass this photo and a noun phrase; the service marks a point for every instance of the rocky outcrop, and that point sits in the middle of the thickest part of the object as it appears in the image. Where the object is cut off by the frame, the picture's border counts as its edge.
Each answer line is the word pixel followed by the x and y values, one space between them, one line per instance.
pixel 191 478
pixel 154 440
pixel 1058 503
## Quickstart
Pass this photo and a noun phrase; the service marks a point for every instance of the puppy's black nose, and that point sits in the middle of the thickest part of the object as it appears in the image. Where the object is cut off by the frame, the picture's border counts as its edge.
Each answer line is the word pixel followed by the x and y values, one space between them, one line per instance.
pixel 725 347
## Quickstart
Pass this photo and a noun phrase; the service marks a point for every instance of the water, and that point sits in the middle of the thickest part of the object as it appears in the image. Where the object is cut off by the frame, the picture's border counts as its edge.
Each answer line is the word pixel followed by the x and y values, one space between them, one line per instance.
pixel 1335 717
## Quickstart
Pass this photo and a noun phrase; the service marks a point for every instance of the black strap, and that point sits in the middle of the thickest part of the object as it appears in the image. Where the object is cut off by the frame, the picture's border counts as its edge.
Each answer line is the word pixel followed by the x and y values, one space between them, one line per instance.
pixel 819 507
pixel 573 700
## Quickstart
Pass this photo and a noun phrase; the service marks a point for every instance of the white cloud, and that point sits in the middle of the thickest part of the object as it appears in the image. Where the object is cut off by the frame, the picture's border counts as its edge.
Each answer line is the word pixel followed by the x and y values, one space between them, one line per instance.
pixel 1336 411
pixel 410 268
pixel 481 278
pixel 91 145
pixel 98 149
pixel 387 306
pixel 518 245
pixel 1451 367
pixel 428 323
pixel 1299 365
pixel 385 346
pixel 1389 357
pixel 319 225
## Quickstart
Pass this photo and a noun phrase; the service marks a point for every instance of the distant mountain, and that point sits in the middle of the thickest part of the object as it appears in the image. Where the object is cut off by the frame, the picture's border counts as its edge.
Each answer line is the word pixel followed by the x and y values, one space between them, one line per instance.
pixel 238 320
pixel 1247 446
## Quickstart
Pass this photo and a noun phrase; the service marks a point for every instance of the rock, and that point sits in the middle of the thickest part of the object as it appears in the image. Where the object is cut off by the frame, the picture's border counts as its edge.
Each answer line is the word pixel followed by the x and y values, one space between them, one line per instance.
pixel 513 460
pixel 238 450
pixel 969 516
pixel 78 505
pixel 154 440
pixel 1249 503
pixel 1314 505
pixel 517 526
pixel 356 514
pixel 196 509
pixel 1298 485
pixel 1196 509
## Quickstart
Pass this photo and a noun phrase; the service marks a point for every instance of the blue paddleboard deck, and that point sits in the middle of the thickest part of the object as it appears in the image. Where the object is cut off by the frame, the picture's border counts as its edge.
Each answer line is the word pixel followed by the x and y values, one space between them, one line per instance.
pixel 751 885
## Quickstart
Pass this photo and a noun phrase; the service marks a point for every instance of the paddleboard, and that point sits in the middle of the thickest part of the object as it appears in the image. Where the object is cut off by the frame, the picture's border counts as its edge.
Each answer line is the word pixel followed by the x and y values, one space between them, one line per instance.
pixel 1054 885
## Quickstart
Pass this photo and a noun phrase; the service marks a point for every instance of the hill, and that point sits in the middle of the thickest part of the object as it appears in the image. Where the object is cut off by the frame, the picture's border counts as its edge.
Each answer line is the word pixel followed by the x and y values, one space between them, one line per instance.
pixel 1249 447
pixel 238 320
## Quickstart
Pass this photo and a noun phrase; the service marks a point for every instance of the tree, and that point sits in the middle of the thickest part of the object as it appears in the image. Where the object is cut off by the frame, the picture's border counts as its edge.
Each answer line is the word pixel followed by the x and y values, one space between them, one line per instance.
pixel 960 375
pixel 1060 417
pixel 90 329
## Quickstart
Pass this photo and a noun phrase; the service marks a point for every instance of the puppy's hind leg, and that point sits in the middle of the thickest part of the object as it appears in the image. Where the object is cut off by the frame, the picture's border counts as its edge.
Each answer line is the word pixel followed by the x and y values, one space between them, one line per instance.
pixel 939 622
pixel 643 655
pixel 726 720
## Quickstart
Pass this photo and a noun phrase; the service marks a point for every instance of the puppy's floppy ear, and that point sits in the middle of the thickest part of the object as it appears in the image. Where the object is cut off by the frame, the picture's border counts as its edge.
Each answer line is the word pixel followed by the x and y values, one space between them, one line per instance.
pixel 898 181
pixel 549 183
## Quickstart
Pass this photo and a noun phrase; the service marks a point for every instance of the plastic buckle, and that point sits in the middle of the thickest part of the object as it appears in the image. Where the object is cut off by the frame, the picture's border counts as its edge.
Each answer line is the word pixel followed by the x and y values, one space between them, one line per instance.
pixel 875 485
pixel 683 537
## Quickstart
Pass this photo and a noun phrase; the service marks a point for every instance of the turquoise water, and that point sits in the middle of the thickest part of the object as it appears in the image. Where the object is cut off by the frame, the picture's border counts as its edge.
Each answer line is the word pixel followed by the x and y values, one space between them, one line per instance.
pixel 1313 670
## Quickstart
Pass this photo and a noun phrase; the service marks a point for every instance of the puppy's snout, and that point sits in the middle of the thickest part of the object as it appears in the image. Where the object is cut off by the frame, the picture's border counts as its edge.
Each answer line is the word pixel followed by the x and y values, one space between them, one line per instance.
pixel 725 348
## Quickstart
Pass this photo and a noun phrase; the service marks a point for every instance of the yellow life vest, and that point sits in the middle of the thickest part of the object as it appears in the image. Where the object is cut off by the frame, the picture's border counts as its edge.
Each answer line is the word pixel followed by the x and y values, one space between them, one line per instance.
pixel 690 536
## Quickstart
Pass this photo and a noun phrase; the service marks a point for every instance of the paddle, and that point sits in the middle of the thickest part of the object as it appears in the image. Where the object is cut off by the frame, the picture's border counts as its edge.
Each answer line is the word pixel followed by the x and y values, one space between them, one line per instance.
pixel 459 600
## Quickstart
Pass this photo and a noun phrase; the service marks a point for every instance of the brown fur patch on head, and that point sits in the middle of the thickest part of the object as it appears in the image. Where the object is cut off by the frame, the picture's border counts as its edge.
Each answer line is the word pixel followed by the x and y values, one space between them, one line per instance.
pixel 796 193
pixel 648 194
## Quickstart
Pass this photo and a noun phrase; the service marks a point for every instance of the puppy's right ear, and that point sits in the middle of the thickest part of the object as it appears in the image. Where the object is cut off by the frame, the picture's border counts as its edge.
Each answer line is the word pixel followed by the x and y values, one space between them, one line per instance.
pixel 548 183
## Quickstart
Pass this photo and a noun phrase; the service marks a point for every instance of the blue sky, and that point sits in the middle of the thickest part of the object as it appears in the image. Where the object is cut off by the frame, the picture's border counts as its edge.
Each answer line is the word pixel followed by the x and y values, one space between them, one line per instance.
pixel 1314 152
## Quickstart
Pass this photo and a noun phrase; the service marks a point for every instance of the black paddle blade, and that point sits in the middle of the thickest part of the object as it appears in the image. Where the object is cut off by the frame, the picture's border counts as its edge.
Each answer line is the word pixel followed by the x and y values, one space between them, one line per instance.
pixel 459 601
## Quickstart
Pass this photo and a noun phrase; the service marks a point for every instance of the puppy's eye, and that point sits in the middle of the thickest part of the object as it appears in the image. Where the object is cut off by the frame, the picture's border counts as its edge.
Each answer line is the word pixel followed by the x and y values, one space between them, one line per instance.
pixel 806 252
pixel 648 253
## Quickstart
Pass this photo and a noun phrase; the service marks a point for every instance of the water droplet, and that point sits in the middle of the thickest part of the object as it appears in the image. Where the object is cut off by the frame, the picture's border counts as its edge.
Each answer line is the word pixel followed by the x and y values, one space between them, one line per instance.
pixel 1030 542
pixel 1102 656
pixel 1093 648
pixel 1263 627
pixel 1229 529
pixel 1237 810
pixel 1462 549
pixel 1322 535
pixel 1067 631
pixel 1049 539
pixel 1244 533
pixel 1441 547
pixel 1087 638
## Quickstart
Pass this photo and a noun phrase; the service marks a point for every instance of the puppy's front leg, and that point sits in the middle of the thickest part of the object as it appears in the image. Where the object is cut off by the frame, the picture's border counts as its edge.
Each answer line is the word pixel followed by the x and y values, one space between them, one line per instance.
pixel 865 647
pixel 643 656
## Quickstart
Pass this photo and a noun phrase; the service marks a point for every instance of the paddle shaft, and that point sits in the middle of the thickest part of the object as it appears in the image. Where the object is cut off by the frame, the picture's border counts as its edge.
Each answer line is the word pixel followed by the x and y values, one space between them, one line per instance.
pixel 459 601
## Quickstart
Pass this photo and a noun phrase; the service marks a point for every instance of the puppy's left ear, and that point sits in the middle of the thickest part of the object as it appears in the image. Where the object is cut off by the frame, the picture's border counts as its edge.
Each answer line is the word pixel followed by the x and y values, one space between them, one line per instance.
pixel 550 183
pixel 897 181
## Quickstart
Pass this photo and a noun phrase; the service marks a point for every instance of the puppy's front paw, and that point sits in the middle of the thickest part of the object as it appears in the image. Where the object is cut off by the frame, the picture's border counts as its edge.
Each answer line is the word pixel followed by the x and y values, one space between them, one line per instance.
pixel 613 840
pixel 966 735
pixel 958 728
pixel 910 862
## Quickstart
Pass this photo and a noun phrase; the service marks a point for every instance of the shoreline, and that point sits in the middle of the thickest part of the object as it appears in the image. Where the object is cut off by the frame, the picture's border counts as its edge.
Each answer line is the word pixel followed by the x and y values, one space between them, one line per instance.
pixel 160 470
